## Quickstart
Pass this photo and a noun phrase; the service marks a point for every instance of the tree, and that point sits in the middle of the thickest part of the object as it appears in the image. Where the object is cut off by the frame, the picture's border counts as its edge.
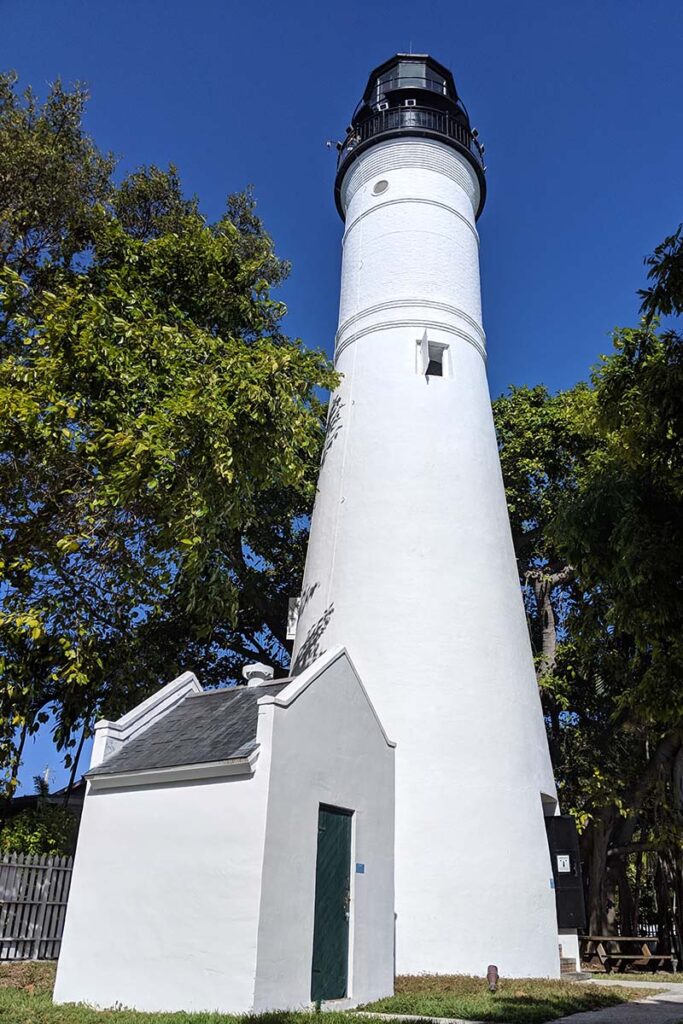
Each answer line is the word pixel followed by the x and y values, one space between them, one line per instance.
pixel 51 178
pixel 623 530
pixel 593 482
pixel 539 442
pixel 44 828
pixel 160 435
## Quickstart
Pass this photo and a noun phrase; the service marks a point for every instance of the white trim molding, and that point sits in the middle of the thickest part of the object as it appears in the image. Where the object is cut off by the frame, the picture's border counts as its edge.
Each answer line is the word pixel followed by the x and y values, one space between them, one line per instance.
pixel 176 773
pixel 301 682
pixel 443 307
pixel 418 325
pixel 411 200
pixel 110 736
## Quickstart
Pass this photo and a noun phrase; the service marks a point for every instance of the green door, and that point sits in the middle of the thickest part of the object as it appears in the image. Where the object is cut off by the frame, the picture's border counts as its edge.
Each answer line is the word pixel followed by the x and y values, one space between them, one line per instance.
pixel 332 895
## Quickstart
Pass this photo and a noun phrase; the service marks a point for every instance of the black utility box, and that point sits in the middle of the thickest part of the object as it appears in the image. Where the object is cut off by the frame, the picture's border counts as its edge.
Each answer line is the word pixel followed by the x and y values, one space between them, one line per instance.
pixel 563 841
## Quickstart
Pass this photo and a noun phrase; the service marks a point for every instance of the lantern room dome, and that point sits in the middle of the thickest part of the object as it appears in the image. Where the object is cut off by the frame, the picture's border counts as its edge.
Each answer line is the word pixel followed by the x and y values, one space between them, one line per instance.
pixel 410 94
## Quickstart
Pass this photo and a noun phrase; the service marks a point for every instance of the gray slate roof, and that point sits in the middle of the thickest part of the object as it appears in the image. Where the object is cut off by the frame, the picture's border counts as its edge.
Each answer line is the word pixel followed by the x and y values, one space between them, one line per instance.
pixel 218 725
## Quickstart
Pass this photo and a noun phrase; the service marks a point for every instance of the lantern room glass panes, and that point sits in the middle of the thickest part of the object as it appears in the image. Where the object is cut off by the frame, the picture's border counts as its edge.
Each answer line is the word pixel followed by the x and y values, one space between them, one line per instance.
pixel 408 74
pixel 435 81
pixel 411 75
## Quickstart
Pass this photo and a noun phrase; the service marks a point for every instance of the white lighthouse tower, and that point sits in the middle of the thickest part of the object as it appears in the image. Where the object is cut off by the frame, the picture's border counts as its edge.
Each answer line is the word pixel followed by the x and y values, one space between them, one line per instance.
pixel 410 563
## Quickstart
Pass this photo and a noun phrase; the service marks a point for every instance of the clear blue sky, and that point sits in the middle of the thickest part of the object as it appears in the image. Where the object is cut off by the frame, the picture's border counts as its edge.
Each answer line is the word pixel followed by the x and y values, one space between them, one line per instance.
pixel 578 102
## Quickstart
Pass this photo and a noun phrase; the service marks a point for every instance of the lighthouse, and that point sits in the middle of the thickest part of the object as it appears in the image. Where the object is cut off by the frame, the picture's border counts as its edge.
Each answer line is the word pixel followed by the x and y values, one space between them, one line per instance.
pixel 410 563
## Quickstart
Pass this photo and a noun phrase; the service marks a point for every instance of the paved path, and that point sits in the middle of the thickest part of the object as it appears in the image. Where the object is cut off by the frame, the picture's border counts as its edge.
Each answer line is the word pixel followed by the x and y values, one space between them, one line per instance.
pixel 664 1008
pixel 618 979
pixel 416 1018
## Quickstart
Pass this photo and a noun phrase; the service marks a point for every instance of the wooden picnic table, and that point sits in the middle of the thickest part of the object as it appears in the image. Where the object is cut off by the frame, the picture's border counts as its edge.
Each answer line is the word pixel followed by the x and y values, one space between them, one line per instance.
pixel 608 951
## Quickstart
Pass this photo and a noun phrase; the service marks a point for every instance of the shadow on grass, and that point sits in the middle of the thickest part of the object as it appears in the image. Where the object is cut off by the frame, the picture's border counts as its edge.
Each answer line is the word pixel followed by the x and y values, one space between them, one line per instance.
pixel 521 1001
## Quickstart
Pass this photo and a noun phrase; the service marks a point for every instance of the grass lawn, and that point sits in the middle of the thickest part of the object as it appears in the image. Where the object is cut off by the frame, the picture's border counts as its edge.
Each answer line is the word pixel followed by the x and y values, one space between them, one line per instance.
pixel 522 1001
pixel 660 976
pixel 25 998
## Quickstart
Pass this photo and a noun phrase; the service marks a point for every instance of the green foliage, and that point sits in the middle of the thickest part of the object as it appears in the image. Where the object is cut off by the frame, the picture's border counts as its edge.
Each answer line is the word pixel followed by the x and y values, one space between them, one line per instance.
pixel 159 434
pixel 149 203
pixel 539 444
pixel 539 441
pixel 51 178
pixel 46 828
pixel 623 527
pixel 594 483
pixel 665 295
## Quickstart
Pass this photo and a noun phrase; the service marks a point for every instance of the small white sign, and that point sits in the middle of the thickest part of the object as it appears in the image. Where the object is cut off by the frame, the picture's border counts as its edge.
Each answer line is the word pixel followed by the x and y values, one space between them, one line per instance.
pixel 563 862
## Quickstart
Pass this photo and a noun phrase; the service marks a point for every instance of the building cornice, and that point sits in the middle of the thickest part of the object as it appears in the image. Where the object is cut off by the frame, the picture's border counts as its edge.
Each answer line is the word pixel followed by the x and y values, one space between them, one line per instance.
pixel 182 773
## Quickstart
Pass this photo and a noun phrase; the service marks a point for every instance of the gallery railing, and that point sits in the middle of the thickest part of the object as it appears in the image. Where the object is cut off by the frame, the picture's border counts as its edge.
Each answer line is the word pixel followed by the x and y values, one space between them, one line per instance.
pixel 403 119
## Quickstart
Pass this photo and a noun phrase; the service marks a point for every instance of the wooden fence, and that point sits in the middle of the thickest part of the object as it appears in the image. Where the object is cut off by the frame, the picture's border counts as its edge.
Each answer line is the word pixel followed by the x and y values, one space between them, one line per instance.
pixel 34 890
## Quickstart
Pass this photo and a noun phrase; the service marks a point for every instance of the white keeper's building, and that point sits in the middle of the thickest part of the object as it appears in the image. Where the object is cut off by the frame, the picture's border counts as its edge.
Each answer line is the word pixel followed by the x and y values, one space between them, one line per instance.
pixel 236 850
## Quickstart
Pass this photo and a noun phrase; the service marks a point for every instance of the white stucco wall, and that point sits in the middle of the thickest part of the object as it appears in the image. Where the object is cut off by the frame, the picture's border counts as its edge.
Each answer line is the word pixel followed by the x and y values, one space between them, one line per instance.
pixel 568 939
pixel 411 567
pixel 327 748
pixel 164 903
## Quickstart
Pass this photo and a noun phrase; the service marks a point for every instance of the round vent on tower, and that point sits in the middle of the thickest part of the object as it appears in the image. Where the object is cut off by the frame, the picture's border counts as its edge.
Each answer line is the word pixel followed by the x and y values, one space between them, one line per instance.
pixel 380 186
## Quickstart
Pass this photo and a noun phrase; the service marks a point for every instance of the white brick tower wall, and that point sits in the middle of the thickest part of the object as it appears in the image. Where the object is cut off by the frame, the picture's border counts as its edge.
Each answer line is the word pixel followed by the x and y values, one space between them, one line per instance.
pixel 411 567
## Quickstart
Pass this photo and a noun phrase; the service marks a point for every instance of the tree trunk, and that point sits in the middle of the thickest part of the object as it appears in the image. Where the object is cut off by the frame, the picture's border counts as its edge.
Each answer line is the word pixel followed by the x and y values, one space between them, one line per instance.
pixel 663 894
pixel 637 889
pixel 11 784
pixel 596 841
pixel 74 765
pixel 627 905
pixel 544 585
pixel 661 761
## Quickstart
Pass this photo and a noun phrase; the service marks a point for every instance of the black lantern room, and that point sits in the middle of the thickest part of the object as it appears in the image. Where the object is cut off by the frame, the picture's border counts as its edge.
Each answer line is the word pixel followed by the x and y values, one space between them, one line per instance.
pixel 411 94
